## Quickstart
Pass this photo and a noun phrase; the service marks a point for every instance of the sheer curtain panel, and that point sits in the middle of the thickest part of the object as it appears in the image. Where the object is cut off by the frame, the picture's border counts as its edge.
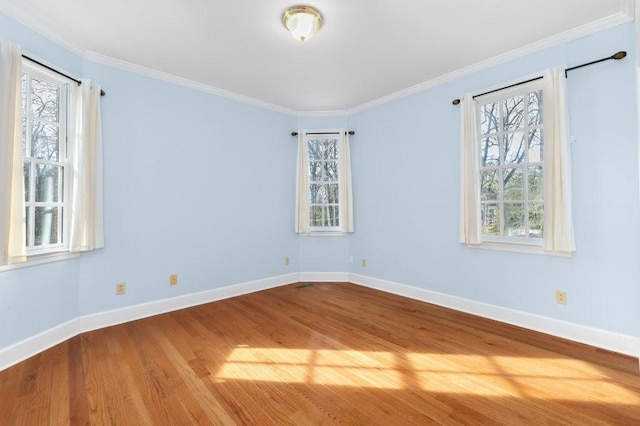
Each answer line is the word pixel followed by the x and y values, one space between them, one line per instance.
pixel 302 187
pixel 346 196
pixel 86 222
pixel 469 174
pixel 558 222
pixel 12 205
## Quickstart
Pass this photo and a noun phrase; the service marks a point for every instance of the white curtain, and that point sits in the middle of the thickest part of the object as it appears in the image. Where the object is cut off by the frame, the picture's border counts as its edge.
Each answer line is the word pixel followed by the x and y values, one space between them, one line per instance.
pixel 86 222
pixel 469 174
pixel 12 205
pixel 558 222
pixel 302 187
pixel 346 197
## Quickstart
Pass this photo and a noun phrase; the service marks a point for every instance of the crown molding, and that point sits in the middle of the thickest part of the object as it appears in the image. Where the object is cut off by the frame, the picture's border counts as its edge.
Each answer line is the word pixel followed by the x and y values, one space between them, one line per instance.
pixel 627 14
pixel 185 82
pixel 40 27
pixel 564 37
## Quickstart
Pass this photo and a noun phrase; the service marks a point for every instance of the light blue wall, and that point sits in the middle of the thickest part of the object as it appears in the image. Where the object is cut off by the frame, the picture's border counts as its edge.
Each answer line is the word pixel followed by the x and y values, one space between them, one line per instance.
pixel 406 189
pixel 40 297
pixel 202 186
pixel 196 185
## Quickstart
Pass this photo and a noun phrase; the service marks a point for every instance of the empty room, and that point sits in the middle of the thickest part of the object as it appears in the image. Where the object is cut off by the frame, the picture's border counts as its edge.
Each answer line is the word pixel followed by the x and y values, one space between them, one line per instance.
pixel 333 212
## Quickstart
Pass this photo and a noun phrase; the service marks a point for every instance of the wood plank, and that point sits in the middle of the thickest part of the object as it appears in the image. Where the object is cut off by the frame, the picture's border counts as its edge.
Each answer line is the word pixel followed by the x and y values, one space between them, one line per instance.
pixel 326 353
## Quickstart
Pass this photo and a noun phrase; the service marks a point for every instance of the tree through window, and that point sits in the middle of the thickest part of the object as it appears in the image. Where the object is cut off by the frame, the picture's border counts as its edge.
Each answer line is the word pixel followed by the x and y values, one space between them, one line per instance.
pixel 511 164
pixel 324 185
pixel 44 131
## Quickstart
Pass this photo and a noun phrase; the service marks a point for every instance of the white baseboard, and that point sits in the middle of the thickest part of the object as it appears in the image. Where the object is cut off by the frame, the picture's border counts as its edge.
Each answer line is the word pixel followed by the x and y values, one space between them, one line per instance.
pixel 33 345
pixel 615 342
pixel 20 351
pixel 132 313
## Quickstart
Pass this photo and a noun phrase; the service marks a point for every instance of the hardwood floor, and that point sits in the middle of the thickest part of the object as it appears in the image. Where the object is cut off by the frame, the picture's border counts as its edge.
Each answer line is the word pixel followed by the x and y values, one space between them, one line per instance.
pixel 317 354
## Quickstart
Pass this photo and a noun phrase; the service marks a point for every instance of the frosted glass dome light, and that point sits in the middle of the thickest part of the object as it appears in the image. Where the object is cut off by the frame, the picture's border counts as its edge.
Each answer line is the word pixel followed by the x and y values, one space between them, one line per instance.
pixel 302 21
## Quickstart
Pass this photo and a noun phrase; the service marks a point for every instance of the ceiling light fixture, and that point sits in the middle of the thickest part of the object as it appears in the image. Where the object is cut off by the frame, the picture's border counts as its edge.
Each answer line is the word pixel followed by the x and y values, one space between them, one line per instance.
pixel 302 21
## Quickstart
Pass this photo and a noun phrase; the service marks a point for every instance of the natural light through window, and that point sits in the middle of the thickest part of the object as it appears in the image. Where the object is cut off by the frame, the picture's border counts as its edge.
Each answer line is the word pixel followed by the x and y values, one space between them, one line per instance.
pixel 431 372
pixel 329 367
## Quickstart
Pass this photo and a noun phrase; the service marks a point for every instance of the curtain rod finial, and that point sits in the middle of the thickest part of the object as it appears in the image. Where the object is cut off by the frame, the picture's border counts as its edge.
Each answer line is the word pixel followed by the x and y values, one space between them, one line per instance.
pixel 456 101
pixel 619 55
pixel 294 133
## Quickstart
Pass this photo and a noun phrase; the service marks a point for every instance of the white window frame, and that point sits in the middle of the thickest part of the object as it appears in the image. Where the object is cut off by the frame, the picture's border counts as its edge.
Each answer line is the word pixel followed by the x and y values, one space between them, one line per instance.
pixel 502 242
pixel 37 255
pixel 325 230
pixel 47 251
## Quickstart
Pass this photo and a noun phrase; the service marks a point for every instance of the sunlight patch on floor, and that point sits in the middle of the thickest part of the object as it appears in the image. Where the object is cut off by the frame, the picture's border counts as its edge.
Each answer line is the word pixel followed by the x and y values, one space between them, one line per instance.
pixel 528 377
pixel 328 367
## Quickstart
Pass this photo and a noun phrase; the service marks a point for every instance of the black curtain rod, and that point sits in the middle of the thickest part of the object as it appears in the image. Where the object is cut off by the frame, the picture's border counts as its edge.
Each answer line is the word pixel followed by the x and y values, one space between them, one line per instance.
pixel 351 132
pixel 78 82
pixel 617 56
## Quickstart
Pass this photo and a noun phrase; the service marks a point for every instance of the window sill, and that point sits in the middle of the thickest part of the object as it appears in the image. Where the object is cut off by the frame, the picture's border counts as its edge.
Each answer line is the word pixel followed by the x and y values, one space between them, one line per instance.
pixel 40 259
pixel 325 234
pixel 516 248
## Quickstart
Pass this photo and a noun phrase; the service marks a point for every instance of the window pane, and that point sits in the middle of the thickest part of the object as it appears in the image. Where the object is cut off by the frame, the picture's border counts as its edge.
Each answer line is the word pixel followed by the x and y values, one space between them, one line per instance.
pixel 513 113
pixel 331 151
pixel 315 152
pixel 535 108
pixel 44 141
pixel 513 184
pixel 331 170
pixel 536 184
pixel 45 100
pixel 489 185
pixel 514 220
pixel 489 118
pixel 490 152
pixel 536 220
pixel 315 216
pixel 490 217
pixel 317 193
pixel 514 146
pixel 27 181
pixel 333 216
pixel 535 146
pixel 332 194
pixel 46 225
pixel 47 183
pixel 315 171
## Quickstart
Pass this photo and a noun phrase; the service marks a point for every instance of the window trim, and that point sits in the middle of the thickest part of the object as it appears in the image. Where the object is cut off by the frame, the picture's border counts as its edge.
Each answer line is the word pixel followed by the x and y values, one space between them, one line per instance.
pixel 326 230
pixel 501 242
pixel 53 252
pixel 41 259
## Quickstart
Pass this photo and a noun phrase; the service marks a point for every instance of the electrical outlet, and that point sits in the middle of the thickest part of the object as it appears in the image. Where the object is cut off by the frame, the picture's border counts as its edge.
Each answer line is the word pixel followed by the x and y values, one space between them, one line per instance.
pixel 120 289
pixel 286 261
pixel 173 279
pixel 364 262
pixel 561 297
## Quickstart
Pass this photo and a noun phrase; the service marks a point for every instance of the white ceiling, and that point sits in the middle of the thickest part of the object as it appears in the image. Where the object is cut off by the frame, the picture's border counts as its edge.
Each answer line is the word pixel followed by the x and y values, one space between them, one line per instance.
pixel 366 50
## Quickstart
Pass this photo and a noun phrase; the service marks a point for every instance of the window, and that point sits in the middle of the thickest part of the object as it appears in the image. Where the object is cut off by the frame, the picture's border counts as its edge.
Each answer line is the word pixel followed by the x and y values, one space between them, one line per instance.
pixel 511 135
pixel 324 185
pixel 323 199
pixel 46 165
pixel 515 186
pixel 51 167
